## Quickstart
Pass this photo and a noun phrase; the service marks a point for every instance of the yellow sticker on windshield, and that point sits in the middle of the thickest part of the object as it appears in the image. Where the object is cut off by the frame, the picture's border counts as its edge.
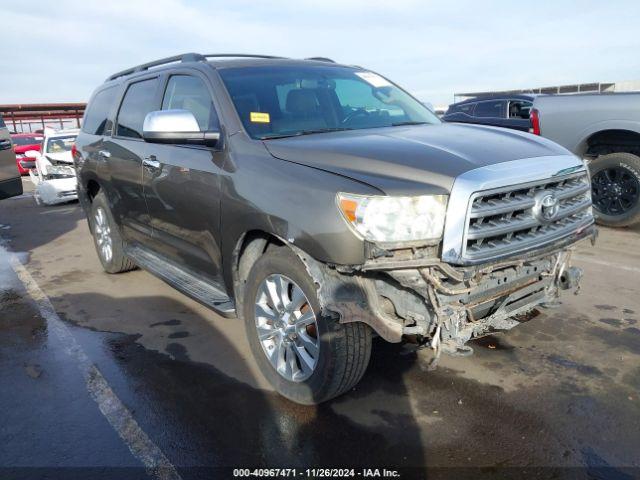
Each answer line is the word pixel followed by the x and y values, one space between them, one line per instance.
pixel 259 117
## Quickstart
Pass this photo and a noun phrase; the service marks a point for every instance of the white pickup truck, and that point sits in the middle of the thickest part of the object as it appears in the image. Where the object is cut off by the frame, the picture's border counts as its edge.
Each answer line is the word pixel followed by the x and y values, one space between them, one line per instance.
pixel 604 129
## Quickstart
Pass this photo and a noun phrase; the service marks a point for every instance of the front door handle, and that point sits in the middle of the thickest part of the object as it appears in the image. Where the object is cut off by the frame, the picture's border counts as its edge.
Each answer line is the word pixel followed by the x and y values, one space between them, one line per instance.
pixel 151 162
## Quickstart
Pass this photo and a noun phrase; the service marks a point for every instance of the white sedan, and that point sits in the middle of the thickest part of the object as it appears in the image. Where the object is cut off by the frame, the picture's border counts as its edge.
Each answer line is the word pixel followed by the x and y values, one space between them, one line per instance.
pixel 55 175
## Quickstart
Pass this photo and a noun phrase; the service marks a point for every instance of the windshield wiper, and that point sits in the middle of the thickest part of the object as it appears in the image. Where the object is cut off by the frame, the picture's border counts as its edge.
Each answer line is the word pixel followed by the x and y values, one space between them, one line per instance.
pixel 306 132
pixel 399 124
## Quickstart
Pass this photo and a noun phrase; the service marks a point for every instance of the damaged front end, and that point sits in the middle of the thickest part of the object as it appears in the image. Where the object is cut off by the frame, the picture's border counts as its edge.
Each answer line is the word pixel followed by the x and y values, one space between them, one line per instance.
pixel 412 296
pixel 505 250
pixel 55 182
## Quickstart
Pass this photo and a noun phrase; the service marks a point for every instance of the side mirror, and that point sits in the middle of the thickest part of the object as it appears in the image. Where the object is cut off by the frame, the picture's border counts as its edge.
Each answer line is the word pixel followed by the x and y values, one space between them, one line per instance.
pixel 32 154
pixel 176 126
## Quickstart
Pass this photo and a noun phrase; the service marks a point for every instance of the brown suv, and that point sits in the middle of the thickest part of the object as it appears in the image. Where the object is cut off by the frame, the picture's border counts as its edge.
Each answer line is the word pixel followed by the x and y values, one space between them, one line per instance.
pixel 322 204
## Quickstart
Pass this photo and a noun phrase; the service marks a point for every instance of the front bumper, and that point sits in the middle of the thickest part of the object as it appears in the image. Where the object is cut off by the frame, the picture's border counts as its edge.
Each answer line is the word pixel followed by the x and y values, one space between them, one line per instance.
pixel 59 190
pixel 437 303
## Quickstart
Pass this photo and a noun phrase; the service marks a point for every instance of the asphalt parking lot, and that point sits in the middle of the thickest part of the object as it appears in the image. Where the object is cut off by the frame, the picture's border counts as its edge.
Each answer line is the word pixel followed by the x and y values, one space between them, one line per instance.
pixel 122 371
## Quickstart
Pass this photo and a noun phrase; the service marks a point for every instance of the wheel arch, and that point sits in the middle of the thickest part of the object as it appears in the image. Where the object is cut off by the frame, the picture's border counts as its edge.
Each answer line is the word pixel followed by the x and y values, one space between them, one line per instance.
pixel 615 137
pixel 248 249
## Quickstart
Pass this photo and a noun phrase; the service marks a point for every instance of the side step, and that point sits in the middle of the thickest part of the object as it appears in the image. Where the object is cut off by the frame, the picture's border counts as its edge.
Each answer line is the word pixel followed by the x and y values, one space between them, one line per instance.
pixel 192 286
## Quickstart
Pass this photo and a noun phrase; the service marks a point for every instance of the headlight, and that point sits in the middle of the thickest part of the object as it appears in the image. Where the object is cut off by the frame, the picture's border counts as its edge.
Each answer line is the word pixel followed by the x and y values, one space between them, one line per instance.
pixel 395 219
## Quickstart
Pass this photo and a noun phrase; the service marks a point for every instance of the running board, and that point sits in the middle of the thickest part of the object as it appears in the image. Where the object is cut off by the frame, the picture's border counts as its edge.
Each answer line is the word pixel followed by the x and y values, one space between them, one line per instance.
pixel 192 286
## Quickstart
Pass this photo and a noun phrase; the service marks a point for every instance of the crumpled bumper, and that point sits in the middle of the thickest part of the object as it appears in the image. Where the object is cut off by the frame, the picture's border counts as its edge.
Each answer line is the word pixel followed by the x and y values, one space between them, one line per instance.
pixel 437 304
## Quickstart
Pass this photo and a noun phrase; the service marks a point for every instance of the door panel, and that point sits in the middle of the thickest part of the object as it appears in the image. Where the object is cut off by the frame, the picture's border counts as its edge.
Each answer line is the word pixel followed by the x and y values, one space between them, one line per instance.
pixel 10 180
pixel 127 197
pixel 182 192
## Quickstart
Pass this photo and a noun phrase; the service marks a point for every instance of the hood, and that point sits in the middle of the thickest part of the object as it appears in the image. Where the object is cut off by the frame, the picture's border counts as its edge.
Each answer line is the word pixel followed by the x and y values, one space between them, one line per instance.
pixel 413 159
pixel 62 157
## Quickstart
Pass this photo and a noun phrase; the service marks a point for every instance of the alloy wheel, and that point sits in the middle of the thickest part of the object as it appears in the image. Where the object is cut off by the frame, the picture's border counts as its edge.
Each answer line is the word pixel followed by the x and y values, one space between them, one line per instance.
pixel 614 191
pixel 103 234
pixel 287 328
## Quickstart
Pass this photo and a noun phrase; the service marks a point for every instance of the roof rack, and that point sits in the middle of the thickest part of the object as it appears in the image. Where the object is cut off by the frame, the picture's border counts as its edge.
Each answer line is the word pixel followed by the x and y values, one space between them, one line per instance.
pixel 321 59
pixel 185 57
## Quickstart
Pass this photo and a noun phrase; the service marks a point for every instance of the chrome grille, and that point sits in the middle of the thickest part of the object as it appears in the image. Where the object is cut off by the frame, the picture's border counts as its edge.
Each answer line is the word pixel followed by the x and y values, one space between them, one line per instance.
pixel 502 221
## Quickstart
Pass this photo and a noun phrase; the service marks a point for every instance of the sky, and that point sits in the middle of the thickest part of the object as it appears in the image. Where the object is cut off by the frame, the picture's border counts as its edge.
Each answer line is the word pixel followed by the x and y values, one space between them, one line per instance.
pixel 60 51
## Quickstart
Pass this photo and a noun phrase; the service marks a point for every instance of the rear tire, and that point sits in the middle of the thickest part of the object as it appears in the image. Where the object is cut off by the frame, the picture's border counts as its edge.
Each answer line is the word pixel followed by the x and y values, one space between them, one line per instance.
pixel 615 182
pixel 106 237
pixel 343 349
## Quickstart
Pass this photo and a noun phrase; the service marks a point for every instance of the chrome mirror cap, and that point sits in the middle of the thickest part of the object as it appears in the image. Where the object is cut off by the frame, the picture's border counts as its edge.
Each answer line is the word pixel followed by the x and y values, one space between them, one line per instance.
pixel 177 127
pixel 165 121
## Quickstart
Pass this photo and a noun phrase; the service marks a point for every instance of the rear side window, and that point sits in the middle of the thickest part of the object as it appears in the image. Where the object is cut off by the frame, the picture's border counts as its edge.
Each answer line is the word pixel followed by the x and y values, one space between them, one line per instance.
pixel 519 109
pixel 137 102
pixel 185 92
pixel 490 109
pixel 96 121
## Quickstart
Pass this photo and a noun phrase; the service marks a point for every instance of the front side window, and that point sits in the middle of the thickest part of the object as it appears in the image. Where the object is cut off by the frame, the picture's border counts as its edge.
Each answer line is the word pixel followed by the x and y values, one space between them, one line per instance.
pixel 293 100
pixel 468 109
pixel 185 92
pixel 2 125
pixel 60 144
pixel 96 119
pixel 492 109
pixel 138 101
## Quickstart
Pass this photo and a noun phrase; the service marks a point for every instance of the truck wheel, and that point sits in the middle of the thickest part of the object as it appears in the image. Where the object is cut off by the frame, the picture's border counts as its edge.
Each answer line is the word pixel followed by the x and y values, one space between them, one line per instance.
pixel 615 189
pixel 308 357
pixel 106 237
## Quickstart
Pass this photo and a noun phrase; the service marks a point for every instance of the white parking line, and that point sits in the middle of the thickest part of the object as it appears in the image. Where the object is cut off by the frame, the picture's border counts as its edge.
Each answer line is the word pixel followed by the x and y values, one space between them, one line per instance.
pixel 604 263
pixel 141 446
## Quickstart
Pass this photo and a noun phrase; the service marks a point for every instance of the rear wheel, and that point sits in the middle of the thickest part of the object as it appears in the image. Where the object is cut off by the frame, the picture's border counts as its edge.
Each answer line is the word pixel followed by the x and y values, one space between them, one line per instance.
pixel 106 237
pixel 615 189
pixel 308 357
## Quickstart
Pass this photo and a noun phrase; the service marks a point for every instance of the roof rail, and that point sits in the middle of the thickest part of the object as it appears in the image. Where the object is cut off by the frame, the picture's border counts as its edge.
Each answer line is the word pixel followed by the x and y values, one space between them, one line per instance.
pixel 185 57
pixel 321 59
pixel 197 57
pixel 237 55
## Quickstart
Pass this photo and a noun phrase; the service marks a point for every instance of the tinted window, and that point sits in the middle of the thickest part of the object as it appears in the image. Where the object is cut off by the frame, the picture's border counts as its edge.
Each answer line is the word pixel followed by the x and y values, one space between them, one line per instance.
pixel 2 125
pixel 468 108
pixel 95 119
pixel 280 101
pixel 137 102
pixel 489 109
pixel 184 92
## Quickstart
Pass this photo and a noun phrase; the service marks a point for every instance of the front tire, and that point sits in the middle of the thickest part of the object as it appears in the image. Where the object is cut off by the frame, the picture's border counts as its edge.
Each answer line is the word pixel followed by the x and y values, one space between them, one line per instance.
pixel 106 237
pixel 615 189
pixel 308 357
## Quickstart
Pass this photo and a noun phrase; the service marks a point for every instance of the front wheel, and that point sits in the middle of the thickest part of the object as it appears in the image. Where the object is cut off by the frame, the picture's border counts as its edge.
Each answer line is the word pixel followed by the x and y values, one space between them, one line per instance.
pixel 615 189
pixel 308 357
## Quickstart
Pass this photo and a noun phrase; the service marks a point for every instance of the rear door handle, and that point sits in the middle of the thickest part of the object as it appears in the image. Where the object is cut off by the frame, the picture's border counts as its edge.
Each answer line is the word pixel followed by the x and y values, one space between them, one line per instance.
pixel 151 162
pixel 104 153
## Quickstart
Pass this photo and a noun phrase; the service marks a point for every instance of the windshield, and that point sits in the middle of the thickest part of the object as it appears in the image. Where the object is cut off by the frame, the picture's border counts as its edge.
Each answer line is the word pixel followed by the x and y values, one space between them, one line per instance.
pixel 60 144
pixel 293 100
pixel 22 141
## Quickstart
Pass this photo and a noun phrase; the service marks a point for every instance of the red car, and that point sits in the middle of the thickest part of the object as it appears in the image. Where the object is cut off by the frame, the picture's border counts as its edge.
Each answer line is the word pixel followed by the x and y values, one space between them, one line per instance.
pixel 22 143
